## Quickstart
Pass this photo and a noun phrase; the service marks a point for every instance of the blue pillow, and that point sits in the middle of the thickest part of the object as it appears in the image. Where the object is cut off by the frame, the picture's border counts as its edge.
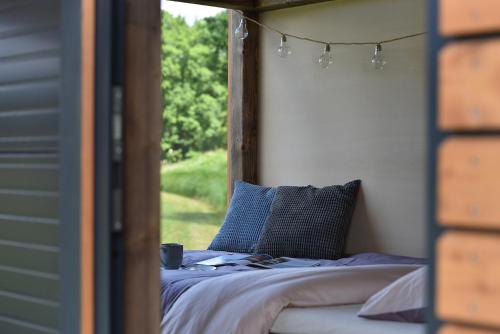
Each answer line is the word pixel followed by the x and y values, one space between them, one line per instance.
pixel 309 222
pixel 245 218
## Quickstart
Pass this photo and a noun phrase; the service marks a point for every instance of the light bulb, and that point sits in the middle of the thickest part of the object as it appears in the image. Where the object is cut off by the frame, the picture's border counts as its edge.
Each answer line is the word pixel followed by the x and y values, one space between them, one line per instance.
pixel 378 59
pixel 284 49
pixel 326 58
pixel 241 32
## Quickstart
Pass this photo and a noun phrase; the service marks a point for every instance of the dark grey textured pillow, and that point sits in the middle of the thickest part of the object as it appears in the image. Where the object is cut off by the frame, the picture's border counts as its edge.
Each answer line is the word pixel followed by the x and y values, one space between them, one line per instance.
pixel 309 222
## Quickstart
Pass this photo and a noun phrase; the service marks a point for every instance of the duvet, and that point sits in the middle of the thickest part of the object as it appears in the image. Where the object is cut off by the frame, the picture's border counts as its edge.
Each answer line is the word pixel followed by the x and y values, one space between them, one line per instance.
pixel 248 302
pixel 184 292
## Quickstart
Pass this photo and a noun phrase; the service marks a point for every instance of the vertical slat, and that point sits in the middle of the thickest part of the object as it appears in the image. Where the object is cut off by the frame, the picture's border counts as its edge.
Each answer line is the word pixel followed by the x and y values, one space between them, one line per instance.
pixel 243 103
pixel 142 133
pixel 87 167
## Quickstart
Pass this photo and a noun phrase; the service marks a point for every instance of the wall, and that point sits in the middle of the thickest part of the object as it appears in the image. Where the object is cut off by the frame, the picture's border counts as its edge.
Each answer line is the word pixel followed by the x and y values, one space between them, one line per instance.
pixel 324 127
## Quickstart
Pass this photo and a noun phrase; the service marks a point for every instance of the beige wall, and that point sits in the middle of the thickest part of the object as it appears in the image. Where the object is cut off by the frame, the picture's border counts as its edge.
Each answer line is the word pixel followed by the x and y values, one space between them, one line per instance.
pixel 326 127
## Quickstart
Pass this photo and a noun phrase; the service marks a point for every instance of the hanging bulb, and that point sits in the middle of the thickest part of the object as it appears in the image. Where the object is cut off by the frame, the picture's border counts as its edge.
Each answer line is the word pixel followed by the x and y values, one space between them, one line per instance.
pixel 378 59
pixel 326 58
pixel 241 32
pixel 284 49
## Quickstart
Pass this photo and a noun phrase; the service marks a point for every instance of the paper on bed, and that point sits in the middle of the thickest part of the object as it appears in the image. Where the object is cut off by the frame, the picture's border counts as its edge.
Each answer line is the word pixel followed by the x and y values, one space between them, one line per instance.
pixel 248 302
pixel 234 259
pixel 260 261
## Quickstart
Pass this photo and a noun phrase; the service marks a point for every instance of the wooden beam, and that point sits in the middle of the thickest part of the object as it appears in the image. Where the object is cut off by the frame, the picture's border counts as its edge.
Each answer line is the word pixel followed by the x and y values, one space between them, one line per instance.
pixel 266 5
pixel 243 103
pixel 229 4
pixel 254 5
pixel 142 133
pixel 87 167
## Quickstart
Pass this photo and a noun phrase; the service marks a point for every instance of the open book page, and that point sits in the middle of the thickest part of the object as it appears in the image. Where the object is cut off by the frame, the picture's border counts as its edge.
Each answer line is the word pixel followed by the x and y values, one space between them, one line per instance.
pixel 260 261
pixel 235 259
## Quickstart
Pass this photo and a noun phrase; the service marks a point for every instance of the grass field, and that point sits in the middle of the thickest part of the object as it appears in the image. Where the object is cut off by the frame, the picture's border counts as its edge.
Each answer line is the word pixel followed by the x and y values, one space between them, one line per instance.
pixel 202 177
pixel 193 200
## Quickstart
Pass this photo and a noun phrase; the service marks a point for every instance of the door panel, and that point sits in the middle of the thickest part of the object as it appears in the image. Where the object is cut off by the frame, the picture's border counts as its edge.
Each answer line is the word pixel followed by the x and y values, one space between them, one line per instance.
pixel 30 103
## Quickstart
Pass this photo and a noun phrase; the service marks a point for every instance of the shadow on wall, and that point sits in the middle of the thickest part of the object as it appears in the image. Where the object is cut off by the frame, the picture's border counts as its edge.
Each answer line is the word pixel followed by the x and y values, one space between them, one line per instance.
pixel 362 236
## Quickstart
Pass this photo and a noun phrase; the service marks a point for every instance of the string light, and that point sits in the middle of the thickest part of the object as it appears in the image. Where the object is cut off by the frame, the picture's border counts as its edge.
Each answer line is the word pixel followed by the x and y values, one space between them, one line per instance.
pixel 284 49
pixel 326 59
pixel 242 32
pixel 378 59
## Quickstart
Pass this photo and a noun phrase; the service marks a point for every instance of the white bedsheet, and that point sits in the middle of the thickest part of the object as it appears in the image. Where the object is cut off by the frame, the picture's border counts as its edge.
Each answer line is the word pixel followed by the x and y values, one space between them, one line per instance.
pixel 337 320
pixel 249 302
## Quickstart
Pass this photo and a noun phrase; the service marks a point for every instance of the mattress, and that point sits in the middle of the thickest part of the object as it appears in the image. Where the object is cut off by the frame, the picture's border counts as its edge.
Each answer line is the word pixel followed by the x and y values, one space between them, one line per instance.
pixel 337 320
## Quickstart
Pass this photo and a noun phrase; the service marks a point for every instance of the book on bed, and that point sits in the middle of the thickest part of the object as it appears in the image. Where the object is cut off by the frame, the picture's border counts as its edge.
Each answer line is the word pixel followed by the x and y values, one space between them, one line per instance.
pixel 260 261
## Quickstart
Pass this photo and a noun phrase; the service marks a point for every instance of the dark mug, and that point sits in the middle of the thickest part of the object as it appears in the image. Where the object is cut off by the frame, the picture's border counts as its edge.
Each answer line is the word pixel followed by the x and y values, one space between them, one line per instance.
pixel 171 255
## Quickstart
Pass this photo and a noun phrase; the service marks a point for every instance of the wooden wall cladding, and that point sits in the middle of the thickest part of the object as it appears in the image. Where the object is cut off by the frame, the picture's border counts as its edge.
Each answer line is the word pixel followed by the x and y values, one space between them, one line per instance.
pixel 469 182
pixel 469 85
pixel 452 329
pixel 466 17
pixel 468 273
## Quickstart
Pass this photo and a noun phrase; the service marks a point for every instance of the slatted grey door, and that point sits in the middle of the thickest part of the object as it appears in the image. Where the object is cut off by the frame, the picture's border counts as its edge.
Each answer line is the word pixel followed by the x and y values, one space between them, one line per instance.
pixel 31 160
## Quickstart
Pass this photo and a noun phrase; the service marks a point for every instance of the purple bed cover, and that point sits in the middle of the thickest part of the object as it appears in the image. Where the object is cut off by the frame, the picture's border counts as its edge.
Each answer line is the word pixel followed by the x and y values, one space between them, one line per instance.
pixel 175 282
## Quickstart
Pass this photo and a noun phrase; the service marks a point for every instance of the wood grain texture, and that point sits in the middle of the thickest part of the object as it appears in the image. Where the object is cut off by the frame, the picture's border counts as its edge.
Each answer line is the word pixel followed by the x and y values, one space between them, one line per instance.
pixel 465 17
pixel 142 133
pixel 266 5
pixel 468 272
pixel 454 329
pixel 469 86
pixel 257 5
pixel 230 4
pixel 87 167
pixel 243 103
pixel 469 182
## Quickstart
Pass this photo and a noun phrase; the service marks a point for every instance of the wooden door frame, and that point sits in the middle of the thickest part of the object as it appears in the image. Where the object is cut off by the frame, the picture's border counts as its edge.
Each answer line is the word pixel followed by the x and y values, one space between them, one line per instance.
pixel 142 131
pixel 141 165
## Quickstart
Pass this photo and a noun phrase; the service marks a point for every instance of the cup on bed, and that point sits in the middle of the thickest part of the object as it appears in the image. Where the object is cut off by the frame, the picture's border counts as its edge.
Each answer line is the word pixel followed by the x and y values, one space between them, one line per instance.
pixel 171 255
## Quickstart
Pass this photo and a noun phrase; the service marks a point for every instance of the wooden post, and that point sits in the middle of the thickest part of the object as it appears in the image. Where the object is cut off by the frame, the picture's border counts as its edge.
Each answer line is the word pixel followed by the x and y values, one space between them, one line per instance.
pixel 142 133
pixel 243 102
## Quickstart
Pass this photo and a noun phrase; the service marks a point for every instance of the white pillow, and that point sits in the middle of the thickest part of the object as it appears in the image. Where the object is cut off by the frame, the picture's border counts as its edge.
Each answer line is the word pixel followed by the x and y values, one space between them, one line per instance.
pixel 403 300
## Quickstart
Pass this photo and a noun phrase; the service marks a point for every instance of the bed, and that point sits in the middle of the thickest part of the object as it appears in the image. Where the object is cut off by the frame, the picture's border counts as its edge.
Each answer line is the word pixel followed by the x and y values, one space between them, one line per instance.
pixel 299 222
pixel 177 308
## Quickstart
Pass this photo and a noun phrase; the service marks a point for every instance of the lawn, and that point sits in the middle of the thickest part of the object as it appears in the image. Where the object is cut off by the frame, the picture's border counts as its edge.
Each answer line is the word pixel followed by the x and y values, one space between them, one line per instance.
pixel 203 177
pixel 193 200
pixel 189 221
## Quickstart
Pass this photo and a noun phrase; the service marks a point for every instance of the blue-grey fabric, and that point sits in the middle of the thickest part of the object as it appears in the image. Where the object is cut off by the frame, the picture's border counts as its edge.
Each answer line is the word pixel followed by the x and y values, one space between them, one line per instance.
pixel 309 222
pixel 175 282
pixel 245 218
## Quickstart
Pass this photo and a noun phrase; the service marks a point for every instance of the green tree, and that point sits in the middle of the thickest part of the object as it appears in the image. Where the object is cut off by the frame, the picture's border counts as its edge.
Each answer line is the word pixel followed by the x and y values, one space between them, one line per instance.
pixel 194 85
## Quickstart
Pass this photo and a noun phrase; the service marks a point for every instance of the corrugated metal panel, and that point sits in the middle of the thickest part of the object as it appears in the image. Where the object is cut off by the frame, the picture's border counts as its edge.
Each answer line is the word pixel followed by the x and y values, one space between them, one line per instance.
pixel 30 85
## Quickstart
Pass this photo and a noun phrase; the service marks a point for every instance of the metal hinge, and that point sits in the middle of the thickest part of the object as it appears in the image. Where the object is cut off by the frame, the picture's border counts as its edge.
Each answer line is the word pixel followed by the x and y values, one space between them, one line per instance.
pixel 117 156
pixel 117 211
pixel 117 123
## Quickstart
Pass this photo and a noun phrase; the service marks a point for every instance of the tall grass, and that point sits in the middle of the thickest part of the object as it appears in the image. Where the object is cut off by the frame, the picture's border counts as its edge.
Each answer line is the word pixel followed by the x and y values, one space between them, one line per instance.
pixel 203 177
